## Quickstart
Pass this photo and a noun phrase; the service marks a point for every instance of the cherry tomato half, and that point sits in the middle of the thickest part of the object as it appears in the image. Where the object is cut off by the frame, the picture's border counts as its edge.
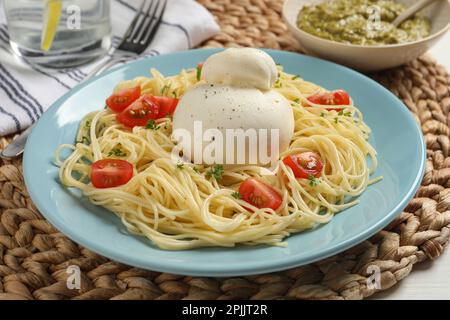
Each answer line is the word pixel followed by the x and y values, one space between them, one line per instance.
pixel 305 164
pixel 259 194
pixel 167 105
pixel 108 173
pixel 337 97
pixel 139 112
pixel 120 100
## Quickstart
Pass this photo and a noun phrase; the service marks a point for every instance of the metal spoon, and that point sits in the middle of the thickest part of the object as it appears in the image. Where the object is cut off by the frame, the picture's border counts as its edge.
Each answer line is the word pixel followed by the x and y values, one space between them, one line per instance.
pixel 408 13
pixel 15 148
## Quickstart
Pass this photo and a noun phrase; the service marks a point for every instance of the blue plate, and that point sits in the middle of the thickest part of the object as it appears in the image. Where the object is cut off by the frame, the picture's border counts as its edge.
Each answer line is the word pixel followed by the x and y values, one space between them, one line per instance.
pixel 396 137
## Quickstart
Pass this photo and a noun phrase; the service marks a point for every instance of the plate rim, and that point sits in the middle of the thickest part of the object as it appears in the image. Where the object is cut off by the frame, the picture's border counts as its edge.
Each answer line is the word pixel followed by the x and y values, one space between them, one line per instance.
pixel 219 270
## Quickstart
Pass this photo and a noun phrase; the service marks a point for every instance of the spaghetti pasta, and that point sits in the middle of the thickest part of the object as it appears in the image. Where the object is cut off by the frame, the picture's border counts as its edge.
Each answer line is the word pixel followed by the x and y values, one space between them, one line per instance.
pixel 183 206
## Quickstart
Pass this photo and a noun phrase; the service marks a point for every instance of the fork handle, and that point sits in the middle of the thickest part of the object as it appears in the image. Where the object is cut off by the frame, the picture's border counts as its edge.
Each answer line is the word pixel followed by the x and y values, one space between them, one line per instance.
pixel 105 65
pixel 108 63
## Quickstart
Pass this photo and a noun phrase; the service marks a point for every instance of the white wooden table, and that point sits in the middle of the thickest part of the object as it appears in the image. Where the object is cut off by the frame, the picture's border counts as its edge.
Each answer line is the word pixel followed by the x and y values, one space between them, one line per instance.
pixel 430 279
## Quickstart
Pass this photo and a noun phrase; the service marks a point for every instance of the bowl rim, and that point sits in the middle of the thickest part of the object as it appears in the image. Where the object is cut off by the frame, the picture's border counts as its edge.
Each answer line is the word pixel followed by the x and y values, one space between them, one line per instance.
pixel 349 45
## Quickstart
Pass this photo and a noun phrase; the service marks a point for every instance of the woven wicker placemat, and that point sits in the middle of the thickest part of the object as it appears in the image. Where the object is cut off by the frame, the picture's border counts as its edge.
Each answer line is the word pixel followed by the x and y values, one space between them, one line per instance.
pixel 34 256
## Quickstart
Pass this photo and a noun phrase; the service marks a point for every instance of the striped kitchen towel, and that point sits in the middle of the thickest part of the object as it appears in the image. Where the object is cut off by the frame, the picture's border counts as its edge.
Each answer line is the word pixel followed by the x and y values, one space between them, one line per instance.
pixel 26 91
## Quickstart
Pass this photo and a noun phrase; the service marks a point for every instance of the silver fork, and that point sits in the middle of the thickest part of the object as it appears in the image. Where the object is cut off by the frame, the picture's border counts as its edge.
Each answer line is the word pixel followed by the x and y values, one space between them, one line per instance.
pixel 136 39
pixel 138 36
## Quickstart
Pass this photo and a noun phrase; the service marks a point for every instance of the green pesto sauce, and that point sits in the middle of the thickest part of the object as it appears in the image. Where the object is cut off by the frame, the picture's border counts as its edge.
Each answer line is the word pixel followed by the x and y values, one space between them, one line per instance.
pixel 362 22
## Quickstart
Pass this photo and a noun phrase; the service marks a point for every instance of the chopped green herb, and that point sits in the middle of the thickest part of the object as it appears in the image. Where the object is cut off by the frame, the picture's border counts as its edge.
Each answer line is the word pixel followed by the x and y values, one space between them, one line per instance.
pixel 336 120
pixel 180 166
pixel 215 172
pixel 117 152
pixel 346 113
pixel 322 114
pixel 295 77
pixel 199 72
pixel 165 89
pixel 85 140
pixel 278 84
pixel 313 181
pixel 151 124
pixel 297 100
pixel 86 128
pixel 196 169
pixel 174 93
pixel 236 195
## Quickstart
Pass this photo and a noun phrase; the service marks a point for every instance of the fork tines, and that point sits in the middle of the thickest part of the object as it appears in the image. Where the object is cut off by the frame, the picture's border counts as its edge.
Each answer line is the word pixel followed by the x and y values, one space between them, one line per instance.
pixel 143 28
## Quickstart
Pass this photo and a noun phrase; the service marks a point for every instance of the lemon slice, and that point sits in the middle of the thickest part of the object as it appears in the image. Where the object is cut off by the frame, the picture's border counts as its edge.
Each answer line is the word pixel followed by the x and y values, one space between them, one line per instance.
pixel 52 14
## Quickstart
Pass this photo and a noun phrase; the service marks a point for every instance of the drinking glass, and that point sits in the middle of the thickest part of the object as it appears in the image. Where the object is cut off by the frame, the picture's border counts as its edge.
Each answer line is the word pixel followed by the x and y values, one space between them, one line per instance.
pixel 59 33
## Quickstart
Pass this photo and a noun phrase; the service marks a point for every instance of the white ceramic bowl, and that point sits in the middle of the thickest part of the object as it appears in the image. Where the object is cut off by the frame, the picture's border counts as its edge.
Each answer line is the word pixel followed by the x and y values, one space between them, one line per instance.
pixel 369 58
